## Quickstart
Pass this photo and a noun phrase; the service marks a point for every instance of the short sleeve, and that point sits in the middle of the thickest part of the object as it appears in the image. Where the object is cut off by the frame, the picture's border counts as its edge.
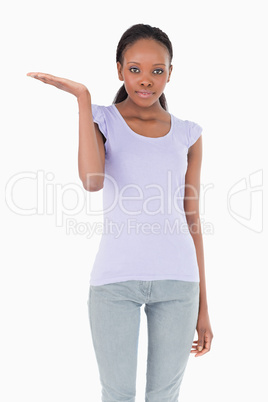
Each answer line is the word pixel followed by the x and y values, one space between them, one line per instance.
pixel 194 132
pixel 99 118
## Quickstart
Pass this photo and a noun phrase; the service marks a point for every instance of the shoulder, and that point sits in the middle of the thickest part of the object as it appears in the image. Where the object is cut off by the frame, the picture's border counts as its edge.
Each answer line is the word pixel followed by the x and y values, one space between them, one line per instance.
pixel 191 130
pixel 101 109
pixel 99 113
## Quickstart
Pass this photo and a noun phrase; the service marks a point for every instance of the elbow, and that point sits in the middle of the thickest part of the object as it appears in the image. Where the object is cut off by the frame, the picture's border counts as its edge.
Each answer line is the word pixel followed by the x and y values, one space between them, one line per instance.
pixel 194 224
pixel 93 189
pixel 92 182
pixel 192 218
pixel 94 186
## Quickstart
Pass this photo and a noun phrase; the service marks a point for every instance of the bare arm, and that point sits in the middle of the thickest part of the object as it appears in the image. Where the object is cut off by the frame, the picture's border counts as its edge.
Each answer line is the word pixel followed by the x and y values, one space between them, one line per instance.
pixel 191 207
pixel 91 152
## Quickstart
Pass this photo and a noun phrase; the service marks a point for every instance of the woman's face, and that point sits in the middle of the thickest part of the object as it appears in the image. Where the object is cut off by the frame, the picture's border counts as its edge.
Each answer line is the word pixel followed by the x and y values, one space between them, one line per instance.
pixel 145 71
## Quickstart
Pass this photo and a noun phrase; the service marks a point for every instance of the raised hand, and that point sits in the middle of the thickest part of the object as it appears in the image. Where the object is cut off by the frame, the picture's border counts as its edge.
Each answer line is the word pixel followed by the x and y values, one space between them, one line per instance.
pixel 75 88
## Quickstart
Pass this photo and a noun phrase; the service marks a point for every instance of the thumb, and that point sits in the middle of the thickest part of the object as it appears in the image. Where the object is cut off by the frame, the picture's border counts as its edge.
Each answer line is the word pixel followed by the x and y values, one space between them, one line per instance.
pixel 200 342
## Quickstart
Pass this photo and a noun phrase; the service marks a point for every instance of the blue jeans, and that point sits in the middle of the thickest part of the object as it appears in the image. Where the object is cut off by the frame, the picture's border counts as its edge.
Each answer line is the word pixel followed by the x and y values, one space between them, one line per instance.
pixel 171 307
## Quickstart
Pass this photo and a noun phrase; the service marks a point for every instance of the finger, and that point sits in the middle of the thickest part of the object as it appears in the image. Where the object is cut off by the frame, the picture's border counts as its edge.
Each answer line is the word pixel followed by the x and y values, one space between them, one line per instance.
pixel 208 344
pixel 204 351
pixel 201 339
pixel 44 76
pixel 37 73
pixel 37 76
pixel 48 79
pixel 193 351
pixel 200 344
pixel 194 346
pixel 33 75
pixel 58 82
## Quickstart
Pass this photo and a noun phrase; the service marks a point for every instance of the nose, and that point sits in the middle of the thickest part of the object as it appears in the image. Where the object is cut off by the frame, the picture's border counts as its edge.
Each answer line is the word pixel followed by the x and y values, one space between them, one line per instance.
pixel 146 82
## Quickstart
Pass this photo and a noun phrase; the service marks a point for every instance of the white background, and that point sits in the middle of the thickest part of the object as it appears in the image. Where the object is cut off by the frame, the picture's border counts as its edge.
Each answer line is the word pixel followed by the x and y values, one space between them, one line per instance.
pixel 219 80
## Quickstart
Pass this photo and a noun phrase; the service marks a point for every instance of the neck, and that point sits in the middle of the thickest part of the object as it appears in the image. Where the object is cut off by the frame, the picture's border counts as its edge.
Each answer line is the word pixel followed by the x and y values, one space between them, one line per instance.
pixel 143 112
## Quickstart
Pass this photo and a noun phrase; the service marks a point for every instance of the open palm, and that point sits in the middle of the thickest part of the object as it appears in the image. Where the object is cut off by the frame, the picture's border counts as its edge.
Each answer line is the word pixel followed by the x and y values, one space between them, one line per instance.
pixel 72 87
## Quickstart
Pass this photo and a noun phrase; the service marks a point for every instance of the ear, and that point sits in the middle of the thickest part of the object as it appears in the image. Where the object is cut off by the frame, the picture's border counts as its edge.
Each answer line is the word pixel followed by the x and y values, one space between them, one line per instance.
pixel 170 71
pixel 119 70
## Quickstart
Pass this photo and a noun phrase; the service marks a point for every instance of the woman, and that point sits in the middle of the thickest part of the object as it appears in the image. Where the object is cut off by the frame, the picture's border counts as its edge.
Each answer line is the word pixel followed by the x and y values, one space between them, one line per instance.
pixel 148 162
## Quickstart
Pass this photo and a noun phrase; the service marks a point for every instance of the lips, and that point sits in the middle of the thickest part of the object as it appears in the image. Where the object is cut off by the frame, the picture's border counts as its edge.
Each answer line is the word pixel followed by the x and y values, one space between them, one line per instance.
pixel 145 92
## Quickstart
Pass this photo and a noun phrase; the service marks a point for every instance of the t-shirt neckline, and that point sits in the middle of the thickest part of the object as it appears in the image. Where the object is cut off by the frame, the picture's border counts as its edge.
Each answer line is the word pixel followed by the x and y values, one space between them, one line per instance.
pixel 140 135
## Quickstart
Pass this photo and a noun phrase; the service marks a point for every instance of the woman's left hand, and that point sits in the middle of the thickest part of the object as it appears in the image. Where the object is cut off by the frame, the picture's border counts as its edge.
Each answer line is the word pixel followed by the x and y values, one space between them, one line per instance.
pixel 205 335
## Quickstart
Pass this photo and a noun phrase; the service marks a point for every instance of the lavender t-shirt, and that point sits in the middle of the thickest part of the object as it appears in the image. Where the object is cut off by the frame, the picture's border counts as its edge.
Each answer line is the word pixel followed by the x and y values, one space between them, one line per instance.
pixel 145 233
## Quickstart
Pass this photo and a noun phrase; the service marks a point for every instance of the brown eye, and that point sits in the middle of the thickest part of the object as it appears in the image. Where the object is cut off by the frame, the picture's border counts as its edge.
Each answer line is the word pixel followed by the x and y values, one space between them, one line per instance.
pixel 159 71
pixel 133 68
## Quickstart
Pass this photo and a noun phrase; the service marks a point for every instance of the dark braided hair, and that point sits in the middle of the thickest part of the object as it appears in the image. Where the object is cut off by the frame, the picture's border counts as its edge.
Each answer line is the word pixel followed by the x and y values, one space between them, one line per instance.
pixel 129 37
